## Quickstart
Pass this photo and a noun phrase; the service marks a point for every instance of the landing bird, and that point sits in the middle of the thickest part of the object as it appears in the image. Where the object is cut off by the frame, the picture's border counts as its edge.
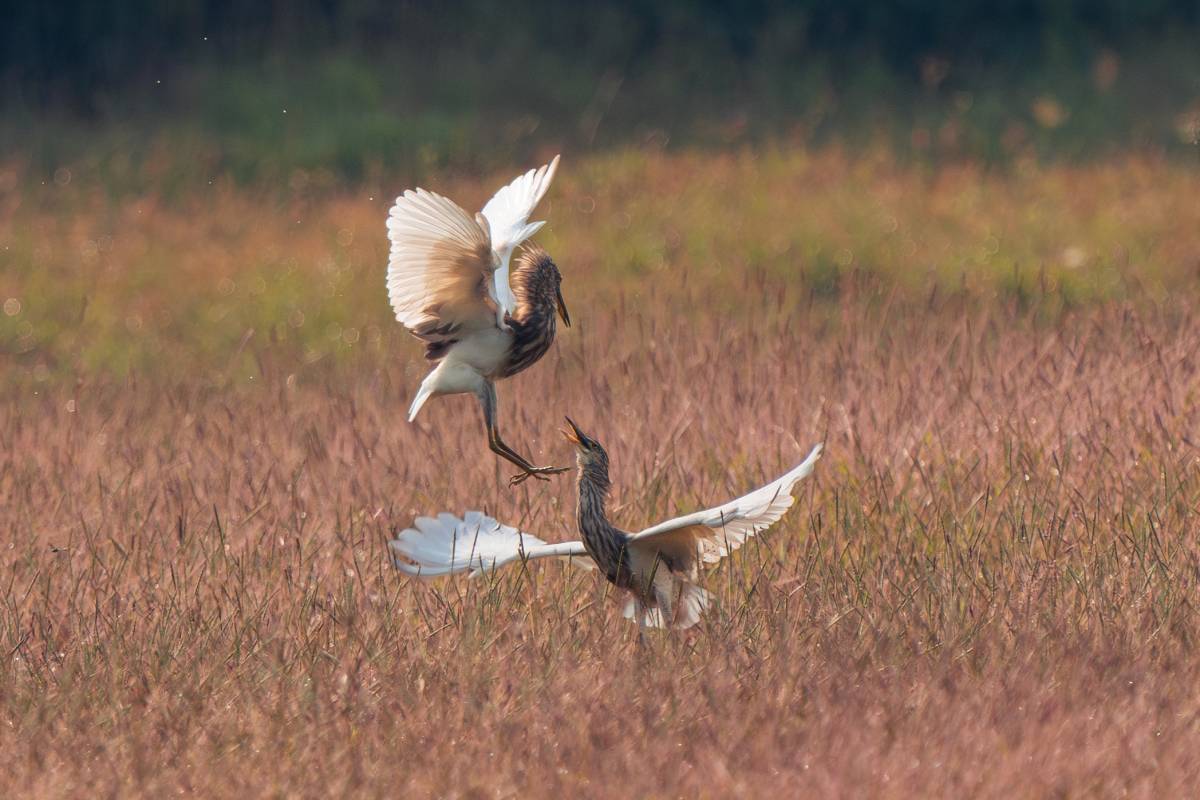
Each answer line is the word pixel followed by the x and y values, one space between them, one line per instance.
pixel 449 284
pixel 659 566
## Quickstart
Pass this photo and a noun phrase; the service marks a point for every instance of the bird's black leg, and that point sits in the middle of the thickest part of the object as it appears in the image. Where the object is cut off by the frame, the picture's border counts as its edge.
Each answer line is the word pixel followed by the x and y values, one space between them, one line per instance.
pixel 488 400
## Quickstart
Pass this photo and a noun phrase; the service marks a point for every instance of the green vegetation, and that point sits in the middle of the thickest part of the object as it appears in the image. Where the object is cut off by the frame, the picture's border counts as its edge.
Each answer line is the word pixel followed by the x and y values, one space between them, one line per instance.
pixel 203 282
pixel 342 118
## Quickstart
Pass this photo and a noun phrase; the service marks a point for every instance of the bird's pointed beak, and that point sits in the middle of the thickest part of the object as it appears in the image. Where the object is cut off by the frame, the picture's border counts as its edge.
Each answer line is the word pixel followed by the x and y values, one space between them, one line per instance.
pixel 573 434
pixel 562 308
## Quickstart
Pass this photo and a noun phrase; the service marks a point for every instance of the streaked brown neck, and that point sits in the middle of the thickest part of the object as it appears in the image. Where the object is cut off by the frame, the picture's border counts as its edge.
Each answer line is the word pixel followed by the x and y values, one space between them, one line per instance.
pixel 533 286
pixel 594 485
pixel 604 541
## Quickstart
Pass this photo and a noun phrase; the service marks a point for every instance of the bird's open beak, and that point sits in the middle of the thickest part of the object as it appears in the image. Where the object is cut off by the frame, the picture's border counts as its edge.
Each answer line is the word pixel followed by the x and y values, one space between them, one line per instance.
pixel 562 308
pixel 573 434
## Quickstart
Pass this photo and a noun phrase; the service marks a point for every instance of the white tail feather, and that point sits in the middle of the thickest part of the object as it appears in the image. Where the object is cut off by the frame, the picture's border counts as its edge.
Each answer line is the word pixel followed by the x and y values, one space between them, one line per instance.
pixel 690 606
pixel 643 615
pixel 423 394
pixel 691 602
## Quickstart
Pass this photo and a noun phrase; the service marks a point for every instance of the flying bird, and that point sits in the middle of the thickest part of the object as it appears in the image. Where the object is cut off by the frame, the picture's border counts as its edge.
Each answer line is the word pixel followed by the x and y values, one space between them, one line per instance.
pixel 450 285
pixel 660 566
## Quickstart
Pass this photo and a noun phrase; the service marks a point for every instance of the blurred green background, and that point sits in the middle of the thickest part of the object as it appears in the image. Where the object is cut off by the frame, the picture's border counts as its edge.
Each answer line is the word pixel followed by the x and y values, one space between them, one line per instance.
pixel 255 90
pixel 199 187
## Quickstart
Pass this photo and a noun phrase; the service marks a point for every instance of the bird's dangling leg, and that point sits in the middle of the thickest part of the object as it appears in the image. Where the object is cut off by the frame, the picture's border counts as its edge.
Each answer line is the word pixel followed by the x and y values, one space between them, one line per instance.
pixel 488 400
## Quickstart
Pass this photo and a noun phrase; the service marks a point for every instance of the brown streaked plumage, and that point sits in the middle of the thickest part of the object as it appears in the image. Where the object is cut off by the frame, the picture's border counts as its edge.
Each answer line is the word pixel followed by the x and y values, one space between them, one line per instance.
pixel 659 566
pixel 449 284
pixel 536 285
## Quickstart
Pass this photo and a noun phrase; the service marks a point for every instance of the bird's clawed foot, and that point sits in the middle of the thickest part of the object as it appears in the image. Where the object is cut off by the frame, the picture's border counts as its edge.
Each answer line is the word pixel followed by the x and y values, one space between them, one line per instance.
pixel 536 472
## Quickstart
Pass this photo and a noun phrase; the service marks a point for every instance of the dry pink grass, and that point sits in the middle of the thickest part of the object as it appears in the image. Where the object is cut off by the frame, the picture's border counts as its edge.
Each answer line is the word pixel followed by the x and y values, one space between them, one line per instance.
pixel 987 589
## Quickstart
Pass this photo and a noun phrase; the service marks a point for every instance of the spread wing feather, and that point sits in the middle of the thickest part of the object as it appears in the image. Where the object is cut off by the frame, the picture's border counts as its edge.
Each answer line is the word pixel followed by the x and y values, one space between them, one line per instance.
pixel 440 271
pixel 508 215
pixel 446 545
pixel 710 535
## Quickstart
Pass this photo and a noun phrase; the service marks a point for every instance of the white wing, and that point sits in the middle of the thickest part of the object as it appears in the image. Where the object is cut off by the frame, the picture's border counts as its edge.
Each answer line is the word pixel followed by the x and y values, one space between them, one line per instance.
pixel 440 268
pixel 448 545
pixel 507 214
pixel 714 533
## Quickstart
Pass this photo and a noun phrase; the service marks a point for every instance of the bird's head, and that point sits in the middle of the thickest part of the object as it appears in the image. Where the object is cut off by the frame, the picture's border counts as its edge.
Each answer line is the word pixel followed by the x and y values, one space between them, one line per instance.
pixel 588 452
pixel 537 275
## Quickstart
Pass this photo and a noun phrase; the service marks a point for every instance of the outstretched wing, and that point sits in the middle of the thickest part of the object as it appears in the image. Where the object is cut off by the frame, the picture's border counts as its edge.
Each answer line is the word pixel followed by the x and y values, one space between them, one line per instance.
pixel 476 542
pixel 507 214
pixel 440 270
pixel 710 535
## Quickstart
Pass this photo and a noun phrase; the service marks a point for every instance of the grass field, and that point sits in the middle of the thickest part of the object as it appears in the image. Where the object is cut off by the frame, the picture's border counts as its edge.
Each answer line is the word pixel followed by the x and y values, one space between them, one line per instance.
pixel 196 284
pixel 987 588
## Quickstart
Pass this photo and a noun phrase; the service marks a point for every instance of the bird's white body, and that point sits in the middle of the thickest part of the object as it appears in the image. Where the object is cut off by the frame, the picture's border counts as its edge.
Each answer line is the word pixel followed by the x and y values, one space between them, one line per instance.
pixel 465 368
pixel 476 542
pixel 439 256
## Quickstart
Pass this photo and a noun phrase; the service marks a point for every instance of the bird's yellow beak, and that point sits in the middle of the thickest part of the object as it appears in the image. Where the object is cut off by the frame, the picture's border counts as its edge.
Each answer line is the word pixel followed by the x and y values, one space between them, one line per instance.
pixel 573 434
pixel 562 308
